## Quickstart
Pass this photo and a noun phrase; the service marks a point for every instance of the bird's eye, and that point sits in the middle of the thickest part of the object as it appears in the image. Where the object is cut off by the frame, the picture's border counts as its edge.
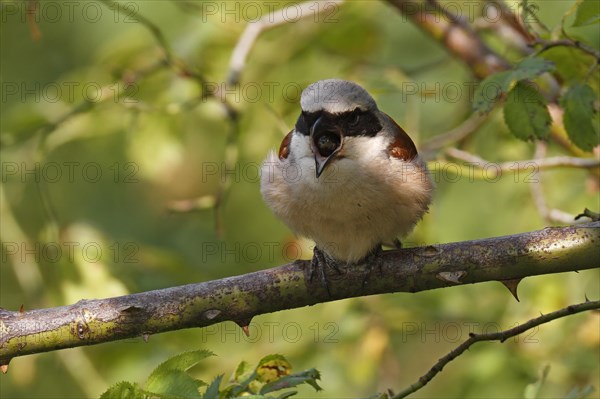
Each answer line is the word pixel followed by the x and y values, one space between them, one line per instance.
pixel 328 143
pixel 355 120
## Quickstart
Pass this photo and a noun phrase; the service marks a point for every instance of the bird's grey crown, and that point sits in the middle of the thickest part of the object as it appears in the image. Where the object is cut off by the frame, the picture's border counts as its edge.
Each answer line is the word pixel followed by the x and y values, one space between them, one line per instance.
pixel 336 96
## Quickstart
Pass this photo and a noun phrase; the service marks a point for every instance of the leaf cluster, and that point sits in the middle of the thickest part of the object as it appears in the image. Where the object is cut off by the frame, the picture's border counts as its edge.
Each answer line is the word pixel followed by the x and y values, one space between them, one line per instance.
pixel 171 380
pixel 525 99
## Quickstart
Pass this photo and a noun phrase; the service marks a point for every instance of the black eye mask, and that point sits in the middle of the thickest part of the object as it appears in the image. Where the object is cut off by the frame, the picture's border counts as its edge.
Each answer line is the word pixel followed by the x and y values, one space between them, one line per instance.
pixel 351 123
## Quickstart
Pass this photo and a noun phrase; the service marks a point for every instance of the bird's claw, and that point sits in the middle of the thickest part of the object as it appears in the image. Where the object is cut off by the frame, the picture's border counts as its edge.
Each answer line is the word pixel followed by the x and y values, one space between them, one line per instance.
pixel 318 264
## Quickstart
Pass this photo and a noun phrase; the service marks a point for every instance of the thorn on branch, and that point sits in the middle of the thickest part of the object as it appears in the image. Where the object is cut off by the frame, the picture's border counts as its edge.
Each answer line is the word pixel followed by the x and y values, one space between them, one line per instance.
pixel 244 325
pixel 246 331
pixel 512 286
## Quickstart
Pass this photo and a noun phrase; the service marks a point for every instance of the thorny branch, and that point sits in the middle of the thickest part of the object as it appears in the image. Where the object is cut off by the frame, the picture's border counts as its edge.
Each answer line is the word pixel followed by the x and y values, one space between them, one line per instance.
pixel 501 336
pixel 240 298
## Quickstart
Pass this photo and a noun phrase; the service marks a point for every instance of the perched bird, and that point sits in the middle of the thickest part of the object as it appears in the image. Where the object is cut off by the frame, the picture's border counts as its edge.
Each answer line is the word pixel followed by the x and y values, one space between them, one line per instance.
pixel 347 176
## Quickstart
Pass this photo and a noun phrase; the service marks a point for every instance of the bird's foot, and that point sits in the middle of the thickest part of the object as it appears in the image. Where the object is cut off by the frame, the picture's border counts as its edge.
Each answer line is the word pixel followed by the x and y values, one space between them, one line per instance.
pixel 372 260
pixel 318 264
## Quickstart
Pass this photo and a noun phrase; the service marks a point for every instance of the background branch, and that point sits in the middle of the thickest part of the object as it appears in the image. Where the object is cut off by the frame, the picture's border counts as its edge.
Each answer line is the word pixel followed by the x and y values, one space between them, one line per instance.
pixel 255 28
pixel 537 164
pixel 456 36
pixel 496 336
pixel 88 322
pixel 456 135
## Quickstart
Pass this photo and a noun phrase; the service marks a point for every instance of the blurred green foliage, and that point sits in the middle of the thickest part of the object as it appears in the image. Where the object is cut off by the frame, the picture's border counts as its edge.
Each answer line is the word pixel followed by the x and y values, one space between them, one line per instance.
pixel 93 219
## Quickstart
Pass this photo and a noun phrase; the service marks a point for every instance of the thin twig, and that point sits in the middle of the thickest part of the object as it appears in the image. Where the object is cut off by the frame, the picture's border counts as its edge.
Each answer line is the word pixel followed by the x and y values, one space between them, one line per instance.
pixel 496 336
pixel 455 135
pixel 548 44
pixel 255 28
pixel 535 164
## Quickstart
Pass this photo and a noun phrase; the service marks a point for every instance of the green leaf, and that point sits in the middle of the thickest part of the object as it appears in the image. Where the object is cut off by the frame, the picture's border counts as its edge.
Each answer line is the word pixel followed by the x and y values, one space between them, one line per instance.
pixel 182 362
pixel 306 377
pixel 122 390
pixel 243 369
pixel 212 392
pixel 174 384
pixel 170 380
pixel 571 64
pixel 494 86
pixel 588 12
pixel 526 114
pixel 275 359
pixel 579 118
pixel 272 367
pixel 531 68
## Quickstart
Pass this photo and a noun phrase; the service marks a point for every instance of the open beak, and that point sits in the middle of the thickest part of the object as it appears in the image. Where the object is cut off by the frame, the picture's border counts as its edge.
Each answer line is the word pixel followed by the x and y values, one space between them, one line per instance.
pixel 325 143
